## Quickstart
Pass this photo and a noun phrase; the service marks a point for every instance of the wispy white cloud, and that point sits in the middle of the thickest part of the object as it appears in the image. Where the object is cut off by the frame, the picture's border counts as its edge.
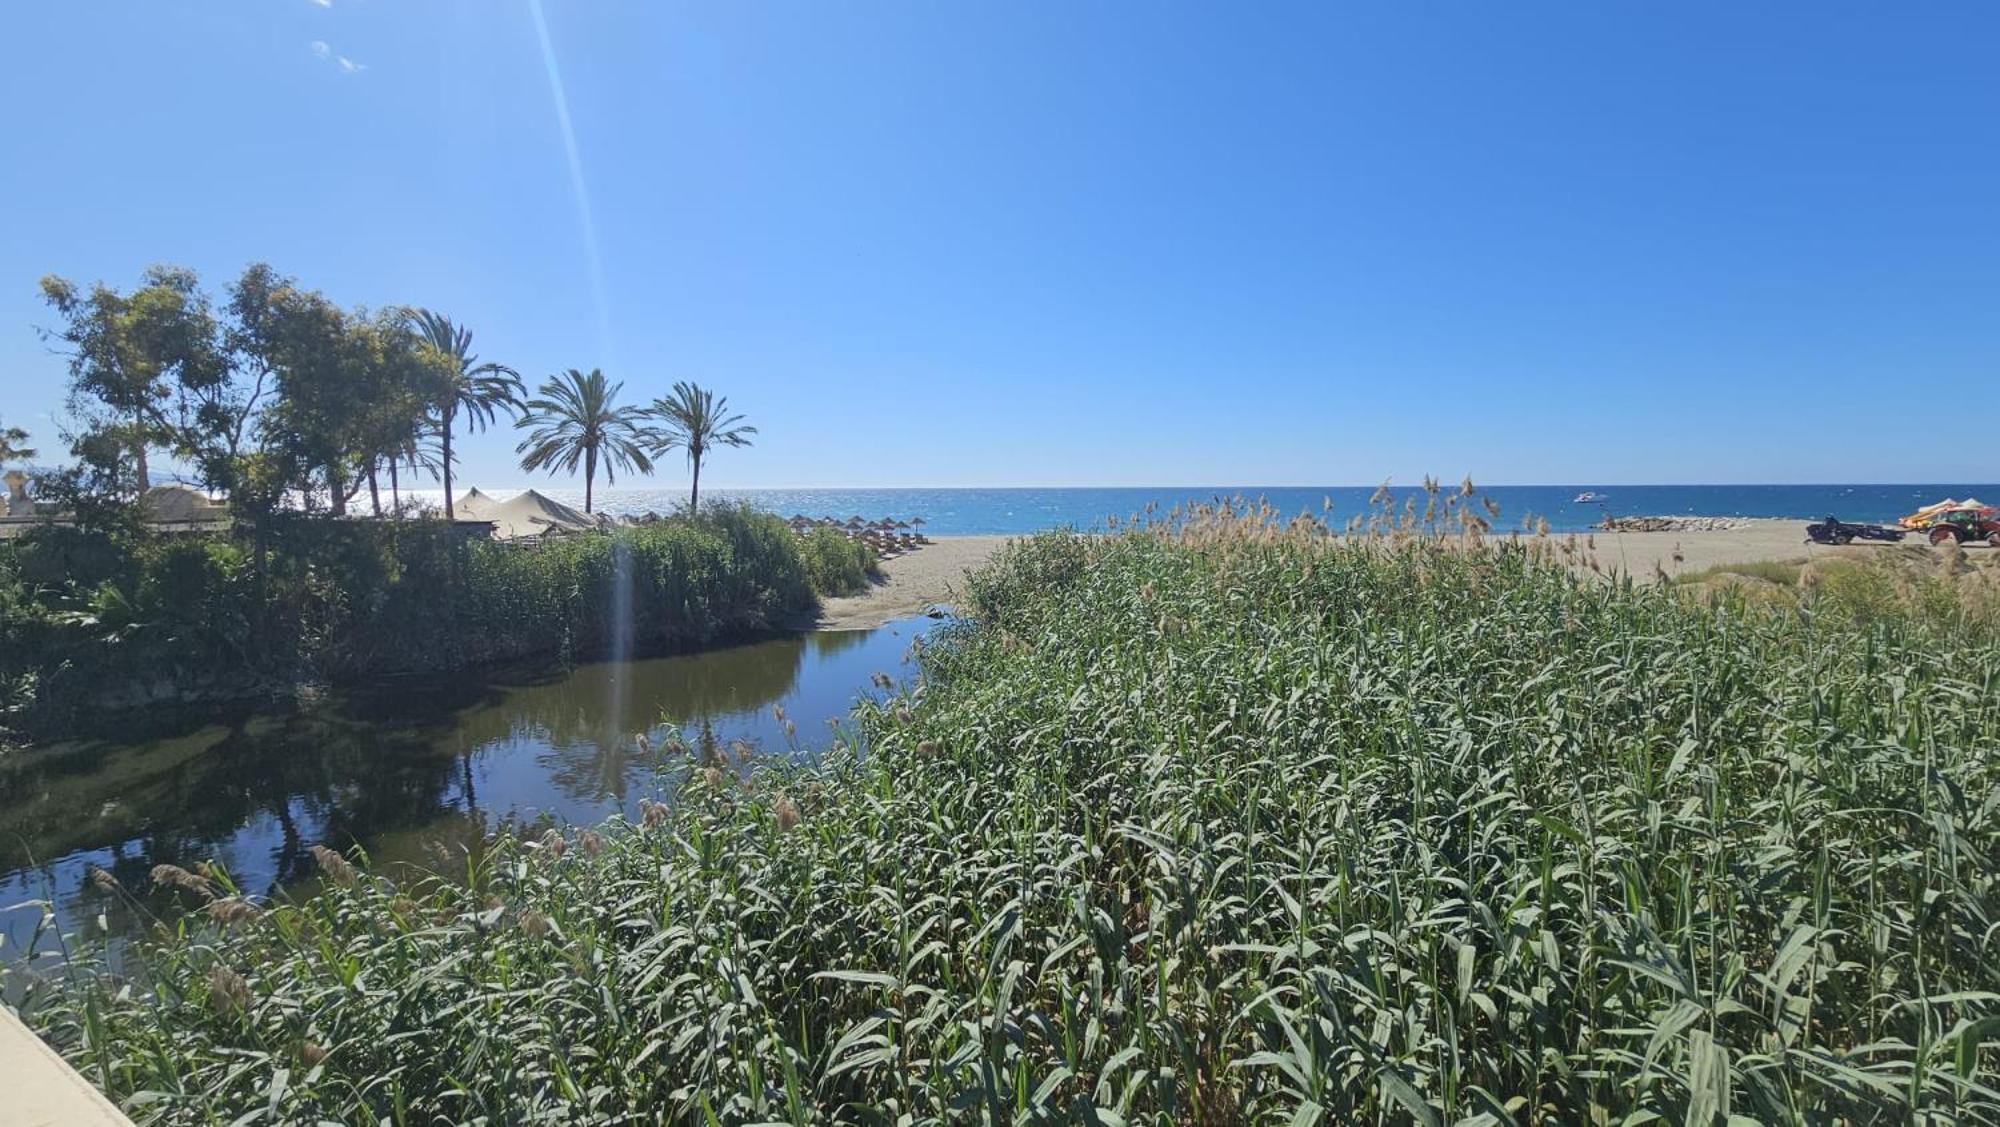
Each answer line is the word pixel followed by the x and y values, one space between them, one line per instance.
pixel 322 3
pixel 322 50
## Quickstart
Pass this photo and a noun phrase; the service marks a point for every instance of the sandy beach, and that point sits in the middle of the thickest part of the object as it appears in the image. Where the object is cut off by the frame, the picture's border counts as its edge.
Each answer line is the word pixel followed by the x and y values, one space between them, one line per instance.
pixel 909 583
pixel 1644 554
pixel 933 574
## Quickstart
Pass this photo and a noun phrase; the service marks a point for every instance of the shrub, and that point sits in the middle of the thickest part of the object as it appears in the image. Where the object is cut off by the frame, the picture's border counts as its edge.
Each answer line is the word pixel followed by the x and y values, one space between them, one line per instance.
pixel 1252 827
pixel 836 564
pixel 96 620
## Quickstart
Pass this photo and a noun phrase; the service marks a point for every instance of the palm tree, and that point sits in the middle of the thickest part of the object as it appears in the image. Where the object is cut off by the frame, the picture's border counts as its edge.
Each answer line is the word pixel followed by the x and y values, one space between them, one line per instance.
pixel 11 448
pixel 573 419
pixel 696 421
pixel 480 390
pixel 416 451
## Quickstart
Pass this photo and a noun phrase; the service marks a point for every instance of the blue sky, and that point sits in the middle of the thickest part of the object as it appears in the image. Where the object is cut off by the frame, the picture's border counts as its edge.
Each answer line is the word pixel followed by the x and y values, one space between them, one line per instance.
pixel 1060 243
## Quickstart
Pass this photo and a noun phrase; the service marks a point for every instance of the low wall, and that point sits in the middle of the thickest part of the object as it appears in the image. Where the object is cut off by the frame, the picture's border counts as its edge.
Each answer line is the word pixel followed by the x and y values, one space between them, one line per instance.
pixel 41 1089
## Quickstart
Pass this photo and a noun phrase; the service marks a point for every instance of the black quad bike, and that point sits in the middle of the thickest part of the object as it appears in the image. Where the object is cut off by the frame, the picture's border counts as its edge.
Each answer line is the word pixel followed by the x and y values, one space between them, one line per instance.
pixel 1832 531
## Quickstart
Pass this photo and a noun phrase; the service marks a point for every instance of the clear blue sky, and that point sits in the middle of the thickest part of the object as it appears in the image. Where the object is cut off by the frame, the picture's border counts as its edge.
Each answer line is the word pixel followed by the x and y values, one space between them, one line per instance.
pixel 1059 243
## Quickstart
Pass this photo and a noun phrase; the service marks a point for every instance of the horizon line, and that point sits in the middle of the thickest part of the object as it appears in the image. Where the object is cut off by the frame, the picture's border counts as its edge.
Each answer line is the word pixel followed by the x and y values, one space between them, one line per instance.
pixel 1390 483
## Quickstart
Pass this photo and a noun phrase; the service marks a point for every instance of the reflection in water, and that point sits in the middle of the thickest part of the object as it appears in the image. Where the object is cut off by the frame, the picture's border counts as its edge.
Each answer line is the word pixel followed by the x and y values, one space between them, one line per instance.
pixel 395 766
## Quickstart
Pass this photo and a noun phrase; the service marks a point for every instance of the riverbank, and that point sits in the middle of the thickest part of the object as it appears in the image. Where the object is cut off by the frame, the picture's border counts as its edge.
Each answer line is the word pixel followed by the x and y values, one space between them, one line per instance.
pixel 307 601
pixel 906 585
pixel 1393 787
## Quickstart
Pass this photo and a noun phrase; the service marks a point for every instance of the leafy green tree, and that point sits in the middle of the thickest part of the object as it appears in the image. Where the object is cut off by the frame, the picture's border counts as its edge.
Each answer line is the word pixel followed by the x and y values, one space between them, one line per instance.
pixel 696 420
pixel 574 418
pixel 13 445
pixel 398 375
pixel 147 369
pixel 312 427
pixel 479 390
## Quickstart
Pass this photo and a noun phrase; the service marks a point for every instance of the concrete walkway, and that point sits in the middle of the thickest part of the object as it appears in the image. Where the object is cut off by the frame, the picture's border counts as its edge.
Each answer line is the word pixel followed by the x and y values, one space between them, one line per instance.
pixel 39 1089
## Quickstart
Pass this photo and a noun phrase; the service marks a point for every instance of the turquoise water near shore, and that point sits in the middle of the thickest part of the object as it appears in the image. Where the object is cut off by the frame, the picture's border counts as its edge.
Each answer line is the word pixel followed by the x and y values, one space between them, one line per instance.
pixel 993 512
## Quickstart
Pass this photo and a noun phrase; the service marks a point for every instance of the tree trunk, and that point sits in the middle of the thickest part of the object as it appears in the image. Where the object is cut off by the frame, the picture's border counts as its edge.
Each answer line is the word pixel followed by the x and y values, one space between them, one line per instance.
pixel 374 492
pixel 395 489
pixel 589 475
pixel 139 458
pixel 449 513
pixel 336 491
pixel 262 628
pixel 694 494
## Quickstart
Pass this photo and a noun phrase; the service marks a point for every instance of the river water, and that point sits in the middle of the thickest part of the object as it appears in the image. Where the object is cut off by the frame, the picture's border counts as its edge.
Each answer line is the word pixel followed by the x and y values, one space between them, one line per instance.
pixel 394 767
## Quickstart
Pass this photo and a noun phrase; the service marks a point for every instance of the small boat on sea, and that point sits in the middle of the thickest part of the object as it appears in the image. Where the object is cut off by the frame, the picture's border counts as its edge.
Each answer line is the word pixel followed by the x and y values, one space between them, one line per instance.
pixel 1587 498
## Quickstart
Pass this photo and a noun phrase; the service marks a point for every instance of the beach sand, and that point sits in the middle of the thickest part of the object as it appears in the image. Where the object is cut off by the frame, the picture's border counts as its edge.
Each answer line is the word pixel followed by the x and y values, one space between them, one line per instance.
pixel 928 576
pixel 1639 554
pixel 934 574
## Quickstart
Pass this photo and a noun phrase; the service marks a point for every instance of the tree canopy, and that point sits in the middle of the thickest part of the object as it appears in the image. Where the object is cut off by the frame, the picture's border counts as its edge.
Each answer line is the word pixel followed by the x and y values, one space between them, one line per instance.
pixel 697 421
pixel 279 397
pixel 575 418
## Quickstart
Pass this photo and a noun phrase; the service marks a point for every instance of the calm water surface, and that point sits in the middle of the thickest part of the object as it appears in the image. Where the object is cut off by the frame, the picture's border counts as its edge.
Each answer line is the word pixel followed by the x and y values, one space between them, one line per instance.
pixel 393 767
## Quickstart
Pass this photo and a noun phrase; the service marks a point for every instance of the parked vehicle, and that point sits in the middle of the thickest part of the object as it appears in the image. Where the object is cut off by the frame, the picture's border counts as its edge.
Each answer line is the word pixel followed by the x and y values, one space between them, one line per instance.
pixel 1835 531
pixel 1959 526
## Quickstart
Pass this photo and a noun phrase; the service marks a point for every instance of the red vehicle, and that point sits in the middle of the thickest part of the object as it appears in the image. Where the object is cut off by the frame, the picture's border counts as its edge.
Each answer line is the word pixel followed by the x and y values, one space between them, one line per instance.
pixel 1961 525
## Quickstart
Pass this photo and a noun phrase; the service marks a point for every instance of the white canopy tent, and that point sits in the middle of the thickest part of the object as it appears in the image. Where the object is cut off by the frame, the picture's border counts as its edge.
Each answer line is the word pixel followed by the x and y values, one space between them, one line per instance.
pixel 524 516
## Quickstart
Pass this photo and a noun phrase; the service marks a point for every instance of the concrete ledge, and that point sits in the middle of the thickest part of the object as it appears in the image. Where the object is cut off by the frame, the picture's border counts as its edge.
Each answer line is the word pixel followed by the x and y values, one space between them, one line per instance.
pixel 41 1089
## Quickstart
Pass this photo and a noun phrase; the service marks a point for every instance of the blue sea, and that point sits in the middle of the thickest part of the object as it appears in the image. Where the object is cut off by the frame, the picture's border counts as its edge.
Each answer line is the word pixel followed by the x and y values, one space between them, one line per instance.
pixel 987 512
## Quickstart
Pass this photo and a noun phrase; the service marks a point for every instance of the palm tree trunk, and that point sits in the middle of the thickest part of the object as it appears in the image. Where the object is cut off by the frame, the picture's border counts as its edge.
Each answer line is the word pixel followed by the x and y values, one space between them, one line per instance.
pixel 374 492
pixel 589 475
pixel 395 490
pixel 449 513
pixel 694 494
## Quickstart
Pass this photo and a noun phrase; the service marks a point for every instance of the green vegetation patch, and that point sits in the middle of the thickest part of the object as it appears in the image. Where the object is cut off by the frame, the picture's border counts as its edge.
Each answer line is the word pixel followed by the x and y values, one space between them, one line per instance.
pixel 1784 573
pixel 100 619
pixel 1236 826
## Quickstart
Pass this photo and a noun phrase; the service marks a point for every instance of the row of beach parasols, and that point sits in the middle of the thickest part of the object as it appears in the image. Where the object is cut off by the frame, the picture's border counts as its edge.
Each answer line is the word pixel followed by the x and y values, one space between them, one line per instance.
pixel 887 537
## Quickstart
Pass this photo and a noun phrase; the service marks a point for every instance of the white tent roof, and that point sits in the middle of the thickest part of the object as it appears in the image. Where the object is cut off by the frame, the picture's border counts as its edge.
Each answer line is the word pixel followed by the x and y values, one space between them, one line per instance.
pixel 177 503
pixel 527 515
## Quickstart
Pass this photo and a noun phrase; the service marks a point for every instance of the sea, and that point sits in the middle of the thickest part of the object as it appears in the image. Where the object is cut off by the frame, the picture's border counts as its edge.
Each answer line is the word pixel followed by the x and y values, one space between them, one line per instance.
pixel 1000 512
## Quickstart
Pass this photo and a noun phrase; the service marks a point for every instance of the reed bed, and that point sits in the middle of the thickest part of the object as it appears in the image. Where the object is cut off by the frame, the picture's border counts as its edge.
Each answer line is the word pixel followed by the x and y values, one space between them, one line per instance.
pixel 92 623
pixel 1214 820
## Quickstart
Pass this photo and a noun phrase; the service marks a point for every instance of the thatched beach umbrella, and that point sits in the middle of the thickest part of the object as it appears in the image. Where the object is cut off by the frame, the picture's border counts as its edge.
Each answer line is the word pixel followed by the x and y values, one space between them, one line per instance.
pixel 856 522
pixel 916 520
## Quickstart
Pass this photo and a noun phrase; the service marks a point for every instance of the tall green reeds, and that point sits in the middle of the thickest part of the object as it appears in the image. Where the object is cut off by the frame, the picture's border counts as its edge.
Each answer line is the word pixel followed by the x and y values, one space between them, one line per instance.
pixel 1216 822
pixel 90 622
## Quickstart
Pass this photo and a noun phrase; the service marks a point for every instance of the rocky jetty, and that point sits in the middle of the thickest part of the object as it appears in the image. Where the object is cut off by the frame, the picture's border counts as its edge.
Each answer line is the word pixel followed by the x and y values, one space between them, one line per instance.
pixel 1670 524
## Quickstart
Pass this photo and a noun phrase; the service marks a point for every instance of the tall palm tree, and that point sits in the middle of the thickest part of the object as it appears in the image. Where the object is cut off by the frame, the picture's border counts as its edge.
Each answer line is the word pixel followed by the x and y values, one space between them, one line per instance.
pixel 572 420
pixel 11 445
pixel 479 390
pixel 695 420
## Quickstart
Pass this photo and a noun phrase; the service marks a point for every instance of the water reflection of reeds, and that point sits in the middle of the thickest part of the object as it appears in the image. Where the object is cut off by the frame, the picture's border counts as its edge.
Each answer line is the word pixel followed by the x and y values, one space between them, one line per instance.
pixel 395 766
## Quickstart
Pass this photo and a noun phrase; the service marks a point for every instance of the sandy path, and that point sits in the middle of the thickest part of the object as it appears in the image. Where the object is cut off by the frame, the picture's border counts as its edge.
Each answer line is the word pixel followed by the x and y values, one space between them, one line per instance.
pixel 909 583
